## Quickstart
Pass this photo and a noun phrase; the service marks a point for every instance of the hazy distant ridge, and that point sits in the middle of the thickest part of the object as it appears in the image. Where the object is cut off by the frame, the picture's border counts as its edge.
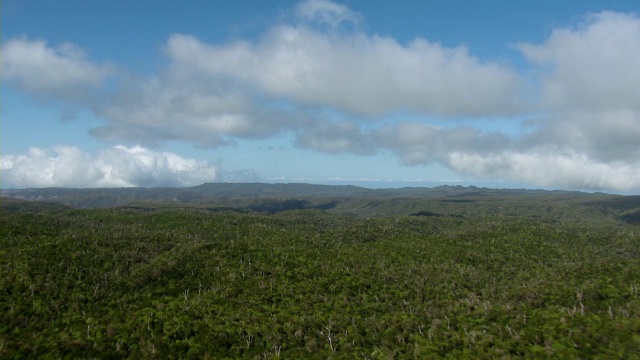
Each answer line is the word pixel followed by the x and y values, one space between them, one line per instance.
pixel 108 197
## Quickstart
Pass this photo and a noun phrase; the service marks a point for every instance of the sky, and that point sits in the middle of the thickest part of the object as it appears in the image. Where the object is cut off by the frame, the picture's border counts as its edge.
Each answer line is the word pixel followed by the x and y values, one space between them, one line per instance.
pixel 503 94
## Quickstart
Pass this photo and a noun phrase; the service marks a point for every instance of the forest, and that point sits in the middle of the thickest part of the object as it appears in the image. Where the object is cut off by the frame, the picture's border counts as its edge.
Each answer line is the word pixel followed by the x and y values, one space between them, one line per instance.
pixel 319 273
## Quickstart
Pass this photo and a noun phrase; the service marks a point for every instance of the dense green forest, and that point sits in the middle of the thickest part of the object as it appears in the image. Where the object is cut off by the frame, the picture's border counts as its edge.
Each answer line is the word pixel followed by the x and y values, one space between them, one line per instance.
pixel 460 274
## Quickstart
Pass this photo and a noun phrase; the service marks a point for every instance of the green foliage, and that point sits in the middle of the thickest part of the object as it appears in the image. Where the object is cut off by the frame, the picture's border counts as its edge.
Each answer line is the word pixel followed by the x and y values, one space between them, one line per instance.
pixel 487 278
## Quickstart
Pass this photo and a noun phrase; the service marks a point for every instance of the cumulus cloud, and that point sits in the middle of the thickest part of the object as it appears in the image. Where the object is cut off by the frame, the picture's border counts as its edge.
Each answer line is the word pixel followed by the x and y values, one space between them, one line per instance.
pixel 482 155
pixel 588 135
pixel 591 67
pixel 211 95
pixel 48 73
pixel 589 87
pixel 558 169
pixel 562 155
pixel 585 134
pixel 355 72
pixel 181 107
pixel 119 166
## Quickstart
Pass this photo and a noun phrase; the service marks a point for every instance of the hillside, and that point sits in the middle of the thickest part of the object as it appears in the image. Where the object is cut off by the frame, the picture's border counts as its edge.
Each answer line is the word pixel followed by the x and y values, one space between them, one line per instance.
pixel 454 275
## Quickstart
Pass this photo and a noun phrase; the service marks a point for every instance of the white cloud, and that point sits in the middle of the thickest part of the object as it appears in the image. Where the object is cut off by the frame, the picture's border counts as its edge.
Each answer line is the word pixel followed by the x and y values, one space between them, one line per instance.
pixel 322 62
pixel 356 72
pixel 119 166
pixel 604 136
pixel 60 73
pixel 160 109
pixel 538 159
pixel 594 66
pixel 178 106
pixel 589 85
pixel 557 169
pixel 210 95
pixel 589 135
pixel 326 12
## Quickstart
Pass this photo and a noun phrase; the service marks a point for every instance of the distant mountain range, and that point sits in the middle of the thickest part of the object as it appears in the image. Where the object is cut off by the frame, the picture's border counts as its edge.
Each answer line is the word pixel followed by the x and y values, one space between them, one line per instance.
pixel 451 201
pixel 109 197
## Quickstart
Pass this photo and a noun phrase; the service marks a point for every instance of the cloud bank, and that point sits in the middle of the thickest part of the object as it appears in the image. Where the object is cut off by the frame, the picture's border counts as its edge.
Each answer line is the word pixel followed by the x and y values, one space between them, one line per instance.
pixel 339 89
pixel 547 168
pixel 119 166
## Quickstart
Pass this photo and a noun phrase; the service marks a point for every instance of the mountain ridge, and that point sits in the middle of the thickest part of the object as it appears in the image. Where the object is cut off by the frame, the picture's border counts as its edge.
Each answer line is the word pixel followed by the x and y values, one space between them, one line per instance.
pixel 109 197
pixel 442 201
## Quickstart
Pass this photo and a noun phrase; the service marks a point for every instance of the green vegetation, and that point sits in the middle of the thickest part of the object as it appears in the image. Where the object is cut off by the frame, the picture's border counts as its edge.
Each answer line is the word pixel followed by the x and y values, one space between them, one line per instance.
pixel 481 276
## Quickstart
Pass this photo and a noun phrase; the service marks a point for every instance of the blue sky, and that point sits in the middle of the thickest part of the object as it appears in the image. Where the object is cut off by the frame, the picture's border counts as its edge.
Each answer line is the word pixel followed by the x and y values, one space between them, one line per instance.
pixel 535 94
